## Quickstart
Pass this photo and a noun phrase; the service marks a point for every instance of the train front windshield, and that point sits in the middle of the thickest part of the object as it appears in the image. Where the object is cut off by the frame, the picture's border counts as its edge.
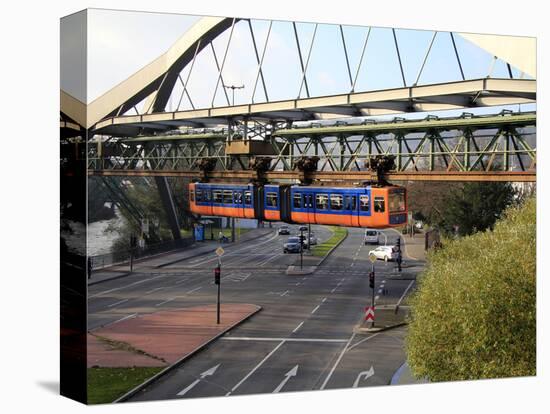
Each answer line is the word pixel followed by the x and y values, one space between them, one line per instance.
pixel 397 201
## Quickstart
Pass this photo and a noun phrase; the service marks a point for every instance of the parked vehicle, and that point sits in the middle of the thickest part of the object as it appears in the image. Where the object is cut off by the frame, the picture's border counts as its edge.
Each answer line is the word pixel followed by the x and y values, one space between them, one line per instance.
pixel 283 230
pixel 292 245
pixel 372 236
pixel 385 253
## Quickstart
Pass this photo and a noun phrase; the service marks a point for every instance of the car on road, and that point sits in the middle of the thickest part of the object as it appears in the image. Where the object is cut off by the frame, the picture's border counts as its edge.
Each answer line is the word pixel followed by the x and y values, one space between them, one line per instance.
pixel 372 236
pixel 302 228
pixel 292 245
pixel 312 239
pixel 283 230
pixel 385 253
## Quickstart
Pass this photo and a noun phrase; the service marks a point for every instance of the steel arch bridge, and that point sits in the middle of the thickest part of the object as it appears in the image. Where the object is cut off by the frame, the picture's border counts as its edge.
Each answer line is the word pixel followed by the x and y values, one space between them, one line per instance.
pixel 157 123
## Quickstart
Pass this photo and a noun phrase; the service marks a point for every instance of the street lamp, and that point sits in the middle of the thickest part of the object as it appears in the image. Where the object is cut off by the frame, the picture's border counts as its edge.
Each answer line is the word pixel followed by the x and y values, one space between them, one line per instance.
pixel 233 87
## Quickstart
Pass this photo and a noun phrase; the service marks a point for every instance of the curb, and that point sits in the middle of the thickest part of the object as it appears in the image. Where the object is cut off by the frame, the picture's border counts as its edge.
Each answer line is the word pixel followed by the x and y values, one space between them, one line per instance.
pixel 109 279
pixel 181 360
pixel 397 374
pixel 381 329
pixel 335 246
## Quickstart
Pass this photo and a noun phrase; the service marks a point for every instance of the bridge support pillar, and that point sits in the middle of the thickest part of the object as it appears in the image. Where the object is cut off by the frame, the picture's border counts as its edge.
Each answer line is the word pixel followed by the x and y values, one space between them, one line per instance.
pixel 169 207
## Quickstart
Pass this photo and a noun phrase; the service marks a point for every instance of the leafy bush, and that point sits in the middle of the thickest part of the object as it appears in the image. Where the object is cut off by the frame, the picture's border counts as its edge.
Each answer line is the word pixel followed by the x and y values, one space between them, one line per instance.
pixel 474 313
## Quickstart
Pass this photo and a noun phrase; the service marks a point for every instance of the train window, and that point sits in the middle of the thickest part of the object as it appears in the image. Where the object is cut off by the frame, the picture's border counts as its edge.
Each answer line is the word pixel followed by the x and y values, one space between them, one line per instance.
pixel 364 203
pixel 207 195
pixel 217 196
pixel 271 199
pixel 238 197
pixel 199 195
pixel 247 198
pixel 192 195
pixel 321 201
pixel 396 201
pixel 227 197
pixel 351 203
pixel 379 205
pixel 308 200
pixel 336 202
pixel 297 201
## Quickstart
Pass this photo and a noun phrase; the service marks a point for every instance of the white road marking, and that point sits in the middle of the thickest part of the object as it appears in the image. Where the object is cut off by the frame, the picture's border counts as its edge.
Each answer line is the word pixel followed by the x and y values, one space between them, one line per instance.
pixel 193 290
pixel 232 253
pixel 332 291
pixel 123 287
pixel 404 293
pixel 366 374
pixel 262 339
pixel 153 290
pixel 122 319
pixel 337 362
pixel 362 340
pixel 181 281
pixel 379 290
pixel 270 259
pixel 255 368
pixel 324 300
pixel 298 327
pixel 166 301
pixel 315 310
pixel 376 297
pixel 194 383
pixel 284 293
pixel 118 303
pixel 288 375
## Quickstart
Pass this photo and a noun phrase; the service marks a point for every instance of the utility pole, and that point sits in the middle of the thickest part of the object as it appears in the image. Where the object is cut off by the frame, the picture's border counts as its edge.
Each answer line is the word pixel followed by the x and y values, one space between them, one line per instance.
pixel 233 87
pixel 301 247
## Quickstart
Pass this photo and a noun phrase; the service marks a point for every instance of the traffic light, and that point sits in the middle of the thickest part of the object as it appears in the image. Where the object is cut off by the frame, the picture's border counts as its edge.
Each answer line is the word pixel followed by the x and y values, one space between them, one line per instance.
pixel 371 280
pixel 217 273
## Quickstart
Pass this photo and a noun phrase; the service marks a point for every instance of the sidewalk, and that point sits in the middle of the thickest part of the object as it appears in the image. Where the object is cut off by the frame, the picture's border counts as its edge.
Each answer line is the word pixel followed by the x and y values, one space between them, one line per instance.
pixel 165 259
pixel 162 338
pixel 413 246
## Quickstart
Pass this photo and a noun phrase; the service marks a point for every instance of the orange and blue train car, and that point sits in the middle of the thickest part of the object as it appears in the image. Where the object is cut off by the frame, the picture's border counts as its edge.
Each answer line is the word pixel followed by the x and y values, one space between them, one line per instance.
pixel 227 200
pixel 365 206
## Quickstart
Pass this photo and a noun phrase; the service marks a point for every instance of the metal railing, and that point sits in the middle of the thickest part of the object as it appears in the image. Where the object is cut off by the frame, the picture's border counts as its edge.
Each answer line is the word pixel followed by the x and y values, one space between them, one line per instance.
pixel 123 256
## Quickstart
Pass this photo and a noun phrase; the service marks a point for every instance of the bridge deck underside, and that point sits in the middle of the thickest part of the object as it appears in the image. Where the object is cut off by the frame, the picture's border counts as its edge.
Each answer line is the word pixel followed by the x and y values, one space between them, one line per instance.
pixel 493 148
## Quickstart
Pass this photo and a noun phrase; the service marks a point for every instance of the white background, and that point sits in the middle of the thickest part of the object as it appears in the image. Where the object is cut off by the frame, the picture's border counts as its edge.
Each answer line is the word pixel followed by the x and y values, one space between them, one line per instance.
pixel 29 241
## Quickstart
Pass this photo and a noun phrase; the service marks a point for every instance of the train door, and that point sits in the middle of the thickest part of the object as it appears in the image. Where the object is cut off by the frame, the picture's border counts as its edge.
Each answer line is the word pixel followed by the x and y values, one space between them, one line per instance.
pixel 379 217
pixel 350 203
pixel 238 203
pixel 309 207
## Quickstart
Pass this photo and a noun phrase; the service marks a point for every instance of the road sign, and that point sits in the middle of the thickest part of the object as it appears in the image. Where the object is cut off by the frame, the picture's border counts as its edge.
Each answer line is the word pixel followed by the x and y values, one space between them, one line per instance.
pixel 369 315
pixel 220 251
pixel 372 257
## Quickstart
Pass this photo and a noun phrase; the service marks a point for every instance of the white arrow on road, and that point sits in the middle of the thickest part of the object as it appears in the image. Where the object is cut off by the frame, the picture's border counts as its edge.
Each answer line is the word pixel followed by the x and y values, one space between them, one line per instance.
pixel 366 374
pixel 291 373
pixel 194 383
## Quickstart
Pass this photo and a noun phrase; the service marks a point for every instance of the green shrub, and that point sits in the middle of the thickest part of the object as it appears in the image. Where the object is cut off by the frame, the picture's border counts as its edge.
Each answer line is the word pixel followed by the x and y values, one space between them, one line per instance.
pixel 474 313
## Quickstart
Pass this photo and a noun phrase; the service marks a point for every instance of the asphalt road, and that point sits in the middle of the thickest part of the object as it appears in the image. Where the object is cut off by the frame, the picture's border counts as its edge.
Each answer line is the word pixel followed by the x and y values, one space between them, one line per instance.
pixel 303 339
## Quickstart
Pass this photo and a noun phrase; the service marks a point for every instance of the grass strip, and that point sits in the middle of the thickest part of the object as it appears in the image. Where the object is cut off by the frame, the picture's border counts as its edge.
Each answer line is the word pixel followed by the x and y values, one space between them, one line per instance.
pixel 105 385
pixel 338 234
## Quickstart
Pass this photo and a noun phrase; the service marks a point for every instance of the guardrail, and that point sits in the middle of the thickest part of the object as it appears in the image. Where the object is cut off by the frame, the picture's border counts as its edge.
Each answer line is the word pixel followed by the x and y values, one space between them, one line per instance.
pixel 123 256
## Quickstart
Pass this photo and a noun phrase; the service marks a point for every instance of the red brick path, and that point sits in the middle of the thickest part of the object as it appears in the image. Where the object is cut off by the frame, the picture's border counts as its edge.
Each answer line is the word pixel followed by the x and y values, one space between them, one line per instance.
pixel 169 335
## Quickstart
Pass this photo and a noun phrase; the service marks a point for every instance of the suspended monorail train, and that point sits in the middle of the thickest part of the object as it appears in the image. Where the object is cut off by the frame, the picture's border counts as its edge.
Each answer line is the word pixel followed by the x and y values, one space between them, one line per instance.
pixel 366 206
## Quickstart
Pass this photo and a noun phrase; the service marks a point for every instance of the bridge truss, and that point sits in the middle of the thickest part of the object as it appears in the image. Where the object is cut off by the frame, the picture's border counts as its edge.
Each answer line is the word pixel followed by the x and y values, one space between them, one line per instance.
pixel 485 148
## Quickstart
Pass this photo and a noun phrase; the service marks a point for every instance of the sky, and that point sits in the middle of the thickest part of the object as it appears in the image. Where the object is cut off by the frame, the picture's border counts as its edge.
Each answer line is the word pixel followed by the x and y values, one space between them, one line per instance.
pixel 121 42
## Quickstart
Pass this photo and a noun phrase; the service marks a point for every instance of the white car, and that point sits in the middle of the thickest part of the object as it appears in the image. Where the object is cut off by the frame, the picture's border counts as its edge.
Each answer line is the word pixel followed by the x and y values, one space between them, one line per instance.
pixel 385 253
pixel 372 236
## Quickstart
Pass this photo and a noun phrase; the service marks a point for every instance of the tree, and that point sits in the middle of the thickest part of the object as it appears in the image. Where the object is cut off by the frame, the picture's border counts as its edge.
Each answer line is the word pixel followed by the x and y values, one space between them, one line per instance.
pixel 475 206
pixel 474 313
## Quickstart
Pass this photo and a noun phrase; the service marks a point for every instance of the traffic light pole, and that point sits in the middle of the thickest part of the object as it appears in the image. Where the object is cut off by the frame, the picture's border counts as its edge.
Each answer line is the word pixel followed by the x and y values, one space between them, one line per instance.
pixel 217 281
pixel 301 248
pixel 372 280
